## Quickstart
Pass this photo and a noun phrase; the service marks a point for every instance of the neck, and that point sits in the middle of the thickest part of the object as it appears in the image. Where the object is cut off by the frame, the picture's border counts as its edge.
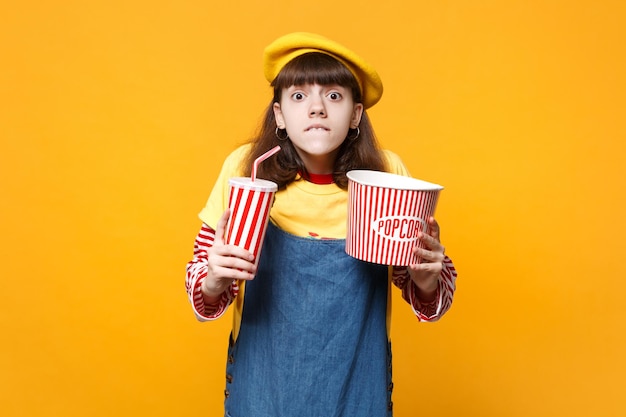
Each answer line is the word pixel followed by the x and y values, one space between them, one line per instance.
pixel 319 164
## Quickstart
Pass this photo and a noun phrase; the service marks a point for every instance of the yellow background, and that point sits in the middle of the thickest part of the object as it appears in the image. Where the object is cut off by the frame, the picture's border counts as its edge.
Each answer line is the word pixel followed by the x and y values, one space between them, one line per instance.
pixel 115 117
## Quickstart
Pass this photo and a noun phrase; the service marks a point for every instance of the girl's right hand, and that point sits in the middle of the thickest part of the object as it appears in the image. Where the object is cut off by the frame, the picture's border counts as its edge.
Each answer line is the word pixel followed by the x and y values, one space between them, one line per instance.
pixel 226 263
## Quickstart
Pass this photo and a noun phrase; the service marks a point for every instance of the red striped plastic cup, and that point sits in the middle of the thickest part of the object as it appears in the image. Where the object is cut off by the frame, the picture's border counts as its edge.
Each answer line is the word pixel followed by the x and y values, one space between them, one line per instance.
pixel 385 214
pixel 249 202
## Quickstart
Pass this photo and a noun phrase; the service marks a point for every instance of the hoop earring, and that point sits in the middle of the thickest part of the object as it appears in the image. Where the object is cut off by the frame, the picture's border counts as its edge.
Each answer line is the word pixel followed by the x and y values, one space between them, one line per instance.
pixel 353 138
pixel 281 138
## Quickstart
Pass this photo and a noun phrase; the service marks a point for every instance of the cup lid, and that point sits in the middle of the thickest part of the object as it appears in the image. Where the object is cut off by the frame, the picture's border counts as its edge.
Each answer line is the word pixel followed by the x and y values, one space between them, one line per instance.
pixel 257 185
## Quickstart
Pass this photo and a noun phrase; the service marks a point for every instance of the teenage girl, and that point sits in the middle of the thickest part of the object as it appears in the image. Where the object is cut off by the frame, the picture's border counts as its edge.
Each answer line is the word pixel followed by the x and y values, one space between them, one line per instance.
pixel 310 323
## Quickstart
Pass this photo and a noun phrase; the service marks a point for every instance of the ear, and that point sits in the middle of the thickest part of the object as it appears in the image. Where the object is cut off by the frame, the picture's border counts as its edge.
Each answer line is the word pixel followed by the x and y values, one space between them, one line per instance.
pixel 278 115
pixel 357 113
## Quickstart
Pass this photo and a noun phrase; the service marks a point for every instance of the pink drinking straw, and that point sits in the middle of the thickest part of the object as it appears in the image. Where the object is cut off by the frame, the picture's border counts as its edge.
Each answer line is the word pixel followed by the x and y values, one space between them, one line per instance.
pixel 263 158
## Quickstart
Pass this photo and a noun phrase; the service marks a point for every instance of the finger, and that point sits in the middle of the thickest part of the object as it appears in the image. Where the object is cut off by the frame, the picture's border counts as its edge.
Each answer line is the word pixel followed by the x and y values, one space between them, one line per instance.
pixel 227 253
pixel 228 269
pixel 431 242
pixel 230 256
pixel 429 256
pixel 230 274
pixel 232 262
pixel 433 228
pixel 220 229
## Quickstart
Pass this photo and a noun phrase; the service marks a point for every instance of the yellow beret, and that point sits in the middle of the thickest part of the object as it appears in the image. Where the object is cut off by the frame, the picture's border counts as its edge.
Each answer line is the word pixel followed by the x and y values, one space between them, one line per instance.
pixel 286 48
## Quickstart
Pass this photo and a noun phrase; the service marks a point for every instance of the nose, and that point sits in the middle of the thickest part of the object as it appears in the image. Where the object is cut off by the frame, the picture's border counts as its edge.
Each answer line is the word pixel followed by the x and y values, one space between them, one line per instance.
pixel 317 107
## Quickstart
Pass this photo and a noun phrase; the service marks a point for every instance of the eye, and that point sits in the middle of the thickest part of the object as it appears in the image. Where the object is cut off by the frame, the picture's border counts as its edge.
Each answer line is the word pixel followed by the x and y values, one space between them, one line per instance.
pixel 297 96
pixel 334 95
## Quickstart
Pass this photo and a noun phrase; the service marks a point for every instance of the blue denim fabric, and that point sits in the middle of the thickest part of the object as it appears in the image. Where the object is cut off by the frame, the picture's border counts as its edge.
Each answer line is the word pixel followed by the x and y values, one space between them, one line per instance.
pixel 313 338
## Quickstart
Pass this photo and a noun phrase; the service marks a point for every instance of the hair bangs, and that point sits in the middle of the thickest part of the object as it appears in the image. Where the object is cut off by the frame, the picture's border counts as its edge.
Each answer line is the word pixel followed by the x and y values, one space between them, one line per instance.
pixel 316 68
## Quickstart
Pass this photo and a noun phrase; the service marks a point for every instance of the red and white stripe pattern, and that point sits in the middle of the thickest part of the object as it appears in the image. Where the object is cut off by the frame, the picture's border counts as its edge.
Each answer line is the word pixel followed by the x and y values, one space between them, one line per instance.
pixel 250 204
pixel 383 223
pixel 433 311
pixel 196 274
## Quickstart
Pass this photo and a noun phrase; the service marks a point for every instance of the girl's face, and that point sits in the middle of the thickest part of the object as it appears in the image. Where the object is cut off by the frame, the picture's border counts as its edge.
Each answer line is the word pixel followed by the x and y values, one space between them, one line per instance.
pixel 317 119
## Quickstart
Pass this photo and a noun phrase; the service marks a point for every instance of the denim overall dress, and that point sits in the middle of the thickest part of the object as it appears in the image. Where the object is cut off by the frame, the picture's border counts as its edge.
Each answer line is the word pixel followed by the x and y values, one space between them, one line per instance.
pixel 313 338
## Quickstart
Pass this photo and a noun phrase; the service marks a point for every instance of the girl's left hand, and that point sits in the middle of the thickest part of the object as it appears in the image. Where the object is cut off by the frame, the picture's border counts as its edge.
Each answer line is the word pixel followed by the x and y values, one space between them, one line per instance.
pixel 426 274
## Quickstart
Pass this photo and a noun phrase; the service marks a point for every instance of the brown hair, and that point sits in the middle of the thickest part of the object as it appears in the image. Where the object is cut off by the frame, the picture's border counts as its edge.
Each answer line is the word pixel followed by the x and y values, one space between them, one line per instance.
pixel 282 168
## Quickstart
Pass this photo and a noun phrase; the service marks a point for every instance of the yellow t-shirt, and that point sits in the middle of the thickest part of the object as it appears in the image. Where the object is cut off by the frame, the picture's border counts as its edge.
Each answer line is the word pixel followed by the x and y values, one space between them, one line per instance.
pixel 302 208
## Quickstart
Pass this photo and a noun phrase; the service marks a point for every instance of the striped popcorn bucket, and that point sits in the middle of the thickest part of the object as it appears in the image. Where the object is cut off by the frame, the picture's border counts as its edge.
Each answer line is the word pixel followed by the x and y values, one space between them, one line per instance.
pixel 249 202
pixel 385 214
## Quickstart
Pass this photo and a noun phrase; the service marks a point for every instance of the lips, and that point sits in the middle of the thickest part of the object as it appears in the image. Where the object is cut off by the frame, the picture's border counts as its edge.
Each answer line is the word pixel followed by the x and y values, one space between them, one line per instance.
pixel 316 127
